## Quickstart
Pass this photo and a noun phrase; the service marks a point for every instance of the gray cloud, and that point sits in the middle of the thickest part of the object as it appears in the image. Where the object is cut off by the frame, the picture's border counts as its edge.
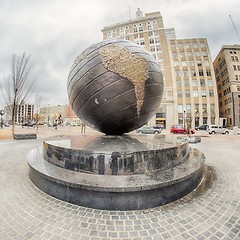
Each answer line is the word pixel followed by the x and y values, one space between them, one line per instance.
pixel 55 32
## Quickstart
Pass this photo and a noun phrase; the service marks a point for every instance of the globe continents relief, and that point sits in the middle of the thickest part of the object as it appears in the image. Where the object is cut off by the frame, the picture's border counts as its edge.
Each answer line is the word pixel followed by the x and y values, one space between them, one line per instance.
pixel 115 86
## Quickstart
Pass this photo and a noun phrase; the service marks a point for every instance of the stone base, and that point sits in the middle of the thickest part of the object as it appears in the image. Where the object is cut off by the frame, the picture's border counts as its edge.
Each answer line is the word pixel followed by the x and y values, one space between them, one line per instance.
pixel 108 192
pixel 24 136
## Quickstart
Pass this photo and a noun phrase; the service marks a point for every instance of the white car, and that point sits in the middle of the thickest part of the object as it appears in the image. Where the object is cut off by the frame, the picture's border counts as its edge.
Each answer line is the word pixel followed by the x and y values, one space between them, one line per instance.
pixel 213 129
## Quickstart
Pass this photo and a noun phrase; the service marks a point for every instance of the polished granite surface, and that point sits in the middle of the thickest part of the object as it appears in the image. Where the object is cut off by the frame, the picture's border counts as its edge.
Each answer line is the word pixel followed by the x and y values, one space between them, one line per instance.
pixel 116 155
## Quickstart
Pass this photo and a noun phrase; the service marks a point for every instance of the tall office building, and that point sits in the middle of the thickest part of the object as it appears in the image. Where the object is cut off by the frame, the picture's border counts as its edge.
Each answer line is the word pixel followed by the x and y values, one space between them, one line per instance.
pixel 227 70
pixel 194 88
pixel 148 31
pixel 189 82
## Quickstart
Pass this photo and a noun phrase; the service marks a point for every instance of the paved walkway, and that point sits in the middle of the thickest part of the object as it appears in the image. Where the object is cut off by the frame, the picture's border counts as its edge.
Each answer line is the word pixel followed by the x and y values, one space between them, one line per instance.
pixel 28 213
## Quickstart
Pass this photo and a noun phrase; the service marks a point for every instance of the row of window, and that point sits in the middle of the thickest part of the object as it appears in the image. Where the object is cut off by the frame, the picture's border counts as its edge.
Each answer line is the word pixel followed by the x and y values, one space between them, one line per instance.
pixel 195 83
pixel 188 45
pixel 189 54
pixel 196 93
pixel 236 67
pixel 191 63
pixel 227 101
pixel 193 73
pixel 188 108
pixel 140 27
pixel 234 58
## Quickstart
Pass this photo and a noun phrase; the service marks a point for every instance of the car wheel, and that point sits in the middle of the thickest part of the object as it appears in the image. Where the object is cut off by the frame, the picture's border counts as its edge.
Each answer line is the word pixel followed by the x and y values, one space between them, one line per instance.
pixel 156 132
pixel 175 132
pixel 226 132
pixel 140 132
pixel 212 132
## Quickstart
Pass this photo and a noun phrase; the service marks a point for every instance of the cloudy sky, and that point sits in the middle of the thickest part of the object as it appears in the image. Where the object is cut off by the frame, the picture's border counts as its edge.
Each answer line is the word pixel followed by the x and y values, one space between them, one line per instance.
pixel 55 32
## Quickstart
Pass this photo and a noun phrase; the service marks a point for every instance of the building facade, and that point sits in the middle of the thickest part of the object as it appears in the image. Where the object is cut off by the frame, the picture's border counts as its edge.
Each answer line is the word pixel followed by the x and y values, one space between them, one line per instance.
pixel 194 85
pixel 189 81
pixel 50 114
pixel 227 71
pixel 148 31
pixel 23 113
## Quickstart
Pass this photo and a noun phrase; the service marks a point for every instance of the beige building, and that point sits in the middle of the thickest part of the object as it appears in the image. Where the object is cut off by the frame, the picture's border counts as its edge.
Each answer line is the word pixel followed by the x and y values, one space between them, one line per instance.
pixel 148 31
pixel 227 70
pixel 194 85
pixel 189 80
pixel 24 113
pixel 53 113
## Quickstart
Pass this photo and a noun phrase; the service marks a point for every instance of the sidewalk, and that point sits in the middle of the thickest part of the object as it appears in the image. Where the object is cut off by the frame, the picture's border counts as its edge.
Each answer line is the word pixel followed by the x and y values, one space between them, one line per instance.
pixel 28 213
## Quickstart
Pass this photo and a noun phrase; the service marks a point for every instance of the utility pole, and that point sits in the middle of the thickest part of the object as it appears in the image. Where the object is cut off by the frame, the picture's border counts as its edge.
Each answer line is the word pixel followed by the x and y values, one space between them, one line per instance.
pixel 234 28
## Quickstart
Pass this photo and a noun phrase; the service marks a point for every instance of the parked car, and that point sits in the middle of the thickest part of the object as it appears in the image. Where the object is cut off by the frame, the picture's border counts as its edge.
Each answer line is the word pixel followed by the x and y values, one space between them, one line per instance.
pixel 202 127
pixel 212 129
pixel 148 129
pixel 157 127
pixel 179 129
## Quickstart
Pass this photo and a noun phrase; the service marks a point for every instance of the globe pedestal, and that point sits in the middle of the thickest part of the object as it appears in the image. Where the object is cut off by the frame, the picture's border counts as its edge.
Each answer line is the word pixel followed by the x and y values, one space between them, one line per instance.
pixel 117 172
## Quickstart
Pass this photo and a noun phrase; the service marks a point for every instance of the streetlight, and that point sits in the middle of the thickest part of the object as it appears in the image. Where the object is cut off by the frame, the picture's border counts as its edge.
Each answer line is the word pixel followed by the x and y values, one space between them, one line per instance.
pixel 2 112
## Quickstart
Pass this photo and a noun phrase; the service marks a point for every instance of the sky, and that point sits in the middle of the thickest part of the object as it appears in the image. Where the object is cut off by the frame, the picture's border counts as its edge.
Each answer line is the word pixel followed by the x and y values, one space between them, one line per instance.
pixel 55 32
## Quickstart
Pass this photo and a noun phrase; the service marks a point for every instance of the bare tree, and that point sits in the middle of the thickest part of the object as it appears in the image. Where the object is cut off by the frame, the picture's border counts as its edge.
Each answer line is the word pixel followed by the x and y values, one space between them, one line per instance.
pixel 17 86
pixel 38 101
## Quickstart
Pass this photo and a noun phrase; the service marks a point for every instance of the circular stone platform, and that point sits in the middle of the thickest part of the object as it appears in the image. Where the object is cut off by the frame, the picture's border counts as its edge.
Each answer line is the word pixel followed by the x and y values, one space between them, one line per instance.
pixel 116 172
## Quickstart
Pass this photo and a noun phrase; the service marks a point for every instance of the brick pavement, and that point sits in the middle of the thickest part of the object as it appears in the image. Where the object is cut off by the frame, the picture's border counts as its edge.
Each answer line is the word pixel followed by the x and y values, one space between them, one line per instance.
pixel 28 213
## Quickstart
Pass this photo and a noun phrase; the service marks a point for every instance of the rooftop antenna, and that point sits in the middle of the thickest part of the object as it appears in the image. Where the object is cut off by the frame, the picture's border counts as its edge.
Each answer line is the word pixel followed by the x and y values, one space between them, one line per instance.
pixel 234 28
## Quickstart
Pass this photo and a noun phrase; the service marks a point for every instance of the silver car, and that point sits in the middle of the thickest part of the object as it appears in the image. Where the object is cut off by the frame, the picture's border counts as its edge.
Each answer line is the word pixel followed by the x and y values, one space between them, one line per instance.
pixel 213 129
pixel 148 129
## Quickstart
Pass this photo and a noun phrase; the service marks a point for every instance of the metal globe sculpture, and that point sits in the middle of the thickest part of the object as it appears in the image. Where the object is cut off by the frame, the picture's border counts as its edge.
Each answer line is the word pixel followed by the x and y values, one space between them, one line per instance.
pixel 115 86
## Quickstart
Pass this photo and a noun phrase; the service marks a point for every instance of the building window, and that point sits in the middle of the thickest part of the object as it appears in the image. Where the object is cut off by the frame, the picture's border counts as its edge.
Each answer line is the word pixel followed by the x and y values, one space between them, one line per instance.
pixel 204 120
pixel 177 73
pixel 191 63
pixel 187 93
pixel 194 83
pixel 188 108
pixel 236 59
pixel 236 77
pixel 210 83
pixel 211 93
pixel 234 67
pixel 204 93
pixel 179 93
pixel 180 108
pixel 184 64
pixel 185 73
pixel 200 72
pixel 202 82
pixel 178 83
pixel 204 108
pixel 195 93
pixel 186 83
pixel 208 72
pixel 176 64
pixel 212 108
pixel 193 72
pixel 206 63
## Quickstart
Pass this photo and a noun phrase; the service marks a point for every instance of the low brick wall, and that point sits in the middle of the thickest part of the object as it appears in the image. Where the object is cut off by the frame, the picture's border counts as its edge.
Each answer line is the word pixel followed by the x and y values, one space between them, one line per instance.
pixel 24 136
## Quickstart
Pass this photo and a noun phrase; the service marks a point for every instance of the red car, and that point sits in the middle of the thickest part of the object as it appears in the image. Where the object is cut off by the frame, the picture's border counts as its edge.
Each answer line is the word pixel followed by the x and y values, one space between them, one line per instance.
pixel 179 128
